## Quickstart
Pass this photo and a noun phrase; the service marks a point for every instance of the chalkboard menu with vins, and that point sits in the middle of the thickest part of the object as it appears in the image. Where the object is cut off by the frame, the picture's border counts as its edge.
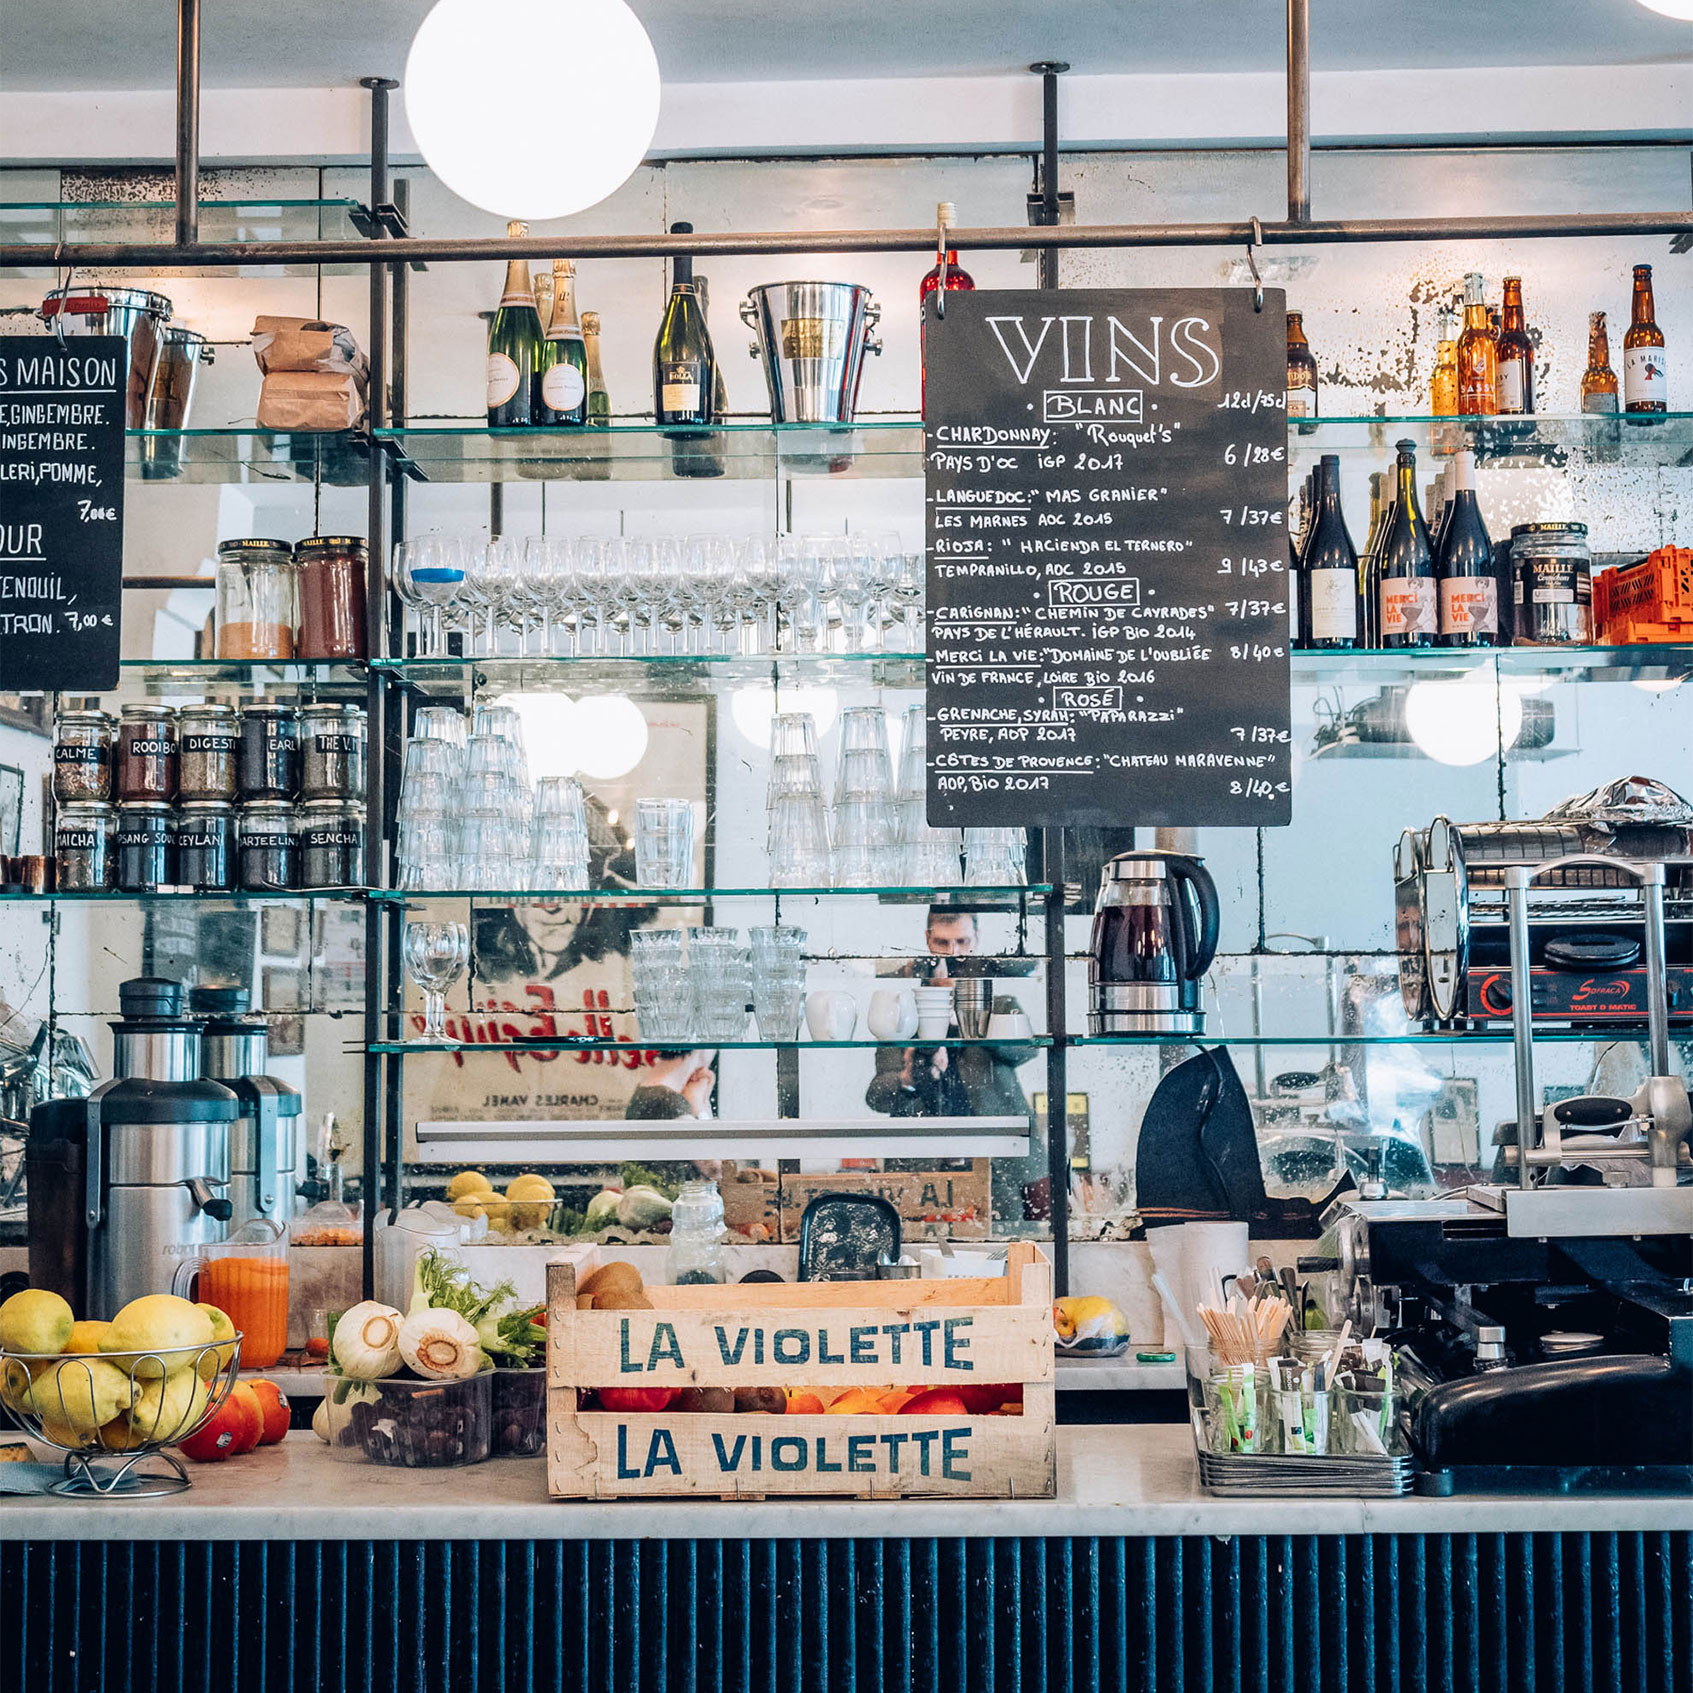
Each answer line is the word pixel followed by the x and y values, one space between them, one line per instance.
pixel 61 511
pixel 1107 559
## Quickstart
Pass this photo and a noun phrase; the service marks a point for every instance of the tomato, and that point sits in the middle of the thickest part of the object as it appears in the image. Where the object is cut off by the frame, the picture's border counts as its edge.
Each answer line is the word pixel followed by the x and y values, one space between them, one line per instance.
pixel 234 1427
pixel 981 1399
pixel 273 1403
pixel 935 1402
pixel 636 1398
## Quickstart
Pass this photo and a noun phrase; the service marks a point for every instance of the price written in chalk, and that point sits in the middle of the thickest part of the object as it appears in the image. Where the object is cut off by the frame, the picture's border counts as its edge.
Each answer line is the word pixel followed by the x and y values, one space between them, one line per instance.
pixel 1251 517
pixel 1250 567
pixel 1253 452
pixel 91 513
pixel 80 620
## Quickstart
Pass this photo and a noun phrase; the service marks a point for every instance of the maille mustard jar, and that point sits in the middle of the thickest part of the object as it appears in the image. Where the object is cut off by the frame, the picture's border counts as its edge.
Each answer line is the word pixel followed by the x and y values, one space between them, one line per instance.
pixel 330 586
pixel 147 753
pixel 83 748
pixel 255 599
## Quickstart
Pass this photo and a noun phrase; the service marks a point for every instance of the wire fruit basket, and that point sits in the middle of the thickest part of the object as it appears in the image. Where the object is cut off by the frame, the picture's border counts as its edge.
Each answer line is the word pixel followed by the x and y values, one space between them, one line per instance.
pixel 111 1412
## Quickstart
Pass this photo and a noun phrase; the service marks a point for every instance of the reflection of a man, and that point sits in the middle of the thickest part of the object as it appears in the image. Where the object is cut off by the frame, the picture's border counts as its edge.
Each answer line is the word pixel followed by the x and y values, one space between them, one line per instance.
pixel 966 1081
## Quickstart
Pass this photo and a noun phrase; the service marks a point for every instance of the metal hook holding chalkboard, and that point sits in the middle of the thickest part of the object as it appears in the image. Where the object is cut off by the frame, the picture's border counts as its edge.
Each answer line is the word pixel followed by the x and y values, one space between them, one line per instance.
pixel 1255 239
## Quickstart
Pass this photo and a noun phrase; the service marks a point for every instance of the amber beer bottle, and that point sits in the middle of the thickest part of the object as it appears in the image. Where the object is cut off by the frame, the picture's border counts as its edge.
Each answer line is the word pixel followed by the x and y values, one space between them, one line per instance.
pixel 1478 355
pixel 1443 385
pixel 1598 381
pixel 1515 378
pixel 1645 382
pixel 1301 369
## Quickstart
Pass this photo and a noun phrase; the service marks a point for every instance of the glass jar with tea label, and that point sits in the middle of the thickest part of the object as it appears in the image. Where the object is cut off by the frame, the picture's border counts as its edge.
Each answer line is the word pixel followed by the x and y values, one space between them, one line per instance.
pixel 84 743
pixel 147 753
pixel 269 765
pixel 146 842
pixel 332 751
pixel 85 845
pixel 205 845
pixel 270 847
pixel 329 575
pixel 331 844
pixel 255 599
pixel 209 736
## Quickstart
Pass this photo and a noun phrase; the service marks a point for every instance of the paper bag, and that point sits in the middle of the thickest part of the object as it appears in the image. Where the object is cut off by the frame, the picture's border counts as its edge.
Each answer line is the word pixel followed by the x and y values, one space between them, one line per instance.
pixel 310 400
pixel 300 343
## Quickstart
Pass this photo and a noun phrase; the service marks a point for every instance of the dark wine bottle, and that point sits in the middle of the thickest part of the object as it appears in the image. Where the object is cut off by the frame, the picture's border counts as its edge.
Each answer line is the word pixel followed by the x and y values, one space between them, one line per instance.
pixel 1469 592
pixel 684 365
pixel 514 347
pixel 1409 617
pixel 1328 572
pixel 564 357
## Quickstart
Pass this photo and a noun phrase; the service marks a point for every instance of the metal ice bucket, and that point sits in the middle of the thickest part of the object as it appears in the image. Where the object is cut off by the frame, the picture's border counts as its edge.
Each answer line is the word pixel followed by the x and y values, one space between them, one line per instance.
pixel 812 337
pixel 136 314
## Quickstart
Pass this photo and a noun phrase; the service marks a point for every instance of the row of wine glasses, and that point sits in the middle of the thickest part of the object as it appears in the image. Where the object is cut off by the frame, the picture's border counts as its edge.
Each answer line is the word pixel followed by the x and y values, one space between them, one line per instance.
pixel 564 596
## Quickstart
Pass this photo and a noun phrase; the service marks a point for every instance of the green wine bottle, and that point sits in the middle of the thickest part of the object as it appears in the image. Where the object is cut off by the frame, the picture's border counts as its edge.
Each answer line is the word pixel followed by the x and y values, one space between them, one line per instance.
pixel 514 347
pixel 563 385
pixel 684 366
pixel 599 400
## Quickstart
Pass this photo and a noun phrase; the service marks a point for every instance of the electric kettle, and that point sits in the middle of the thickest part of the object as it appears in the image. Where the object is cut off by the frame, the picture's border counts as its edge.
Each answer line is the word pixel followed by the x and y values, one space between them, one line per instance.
pixel 1154 936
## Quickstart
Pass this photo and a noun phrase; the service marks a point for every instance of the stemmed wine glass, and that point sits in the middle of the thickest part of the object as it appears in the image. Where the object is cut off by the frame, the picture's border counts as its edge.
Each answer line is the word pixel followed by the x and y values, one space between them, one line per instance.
pixel 428 575
pixel 436 955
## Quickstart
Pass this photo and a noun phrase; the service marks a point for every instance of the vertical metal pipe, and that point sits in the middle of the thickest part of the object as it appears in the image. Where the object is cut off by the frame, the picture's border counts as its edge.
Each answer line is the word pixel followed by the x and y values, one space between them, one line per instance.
pixel 1057 1062
pixel 1298 111
pixel 1049 71
pixel 1517 877
pixel 1657 989
pixel 187 122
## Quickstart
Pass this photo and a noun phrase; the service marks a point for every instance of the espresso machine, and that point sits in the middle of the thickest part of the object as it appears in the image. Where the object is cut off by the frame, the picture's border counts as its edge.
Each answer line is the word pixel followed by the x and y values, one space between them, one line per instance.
pixel 1155 928
pixel 265 1140
pixel 125 1183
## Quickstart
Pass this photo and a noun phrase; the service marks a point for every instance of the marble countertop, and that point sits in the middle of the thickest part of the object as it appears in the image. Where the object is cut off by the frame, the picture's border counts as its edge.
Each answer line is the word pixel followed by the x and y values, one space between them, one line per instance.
pixel 1135 1480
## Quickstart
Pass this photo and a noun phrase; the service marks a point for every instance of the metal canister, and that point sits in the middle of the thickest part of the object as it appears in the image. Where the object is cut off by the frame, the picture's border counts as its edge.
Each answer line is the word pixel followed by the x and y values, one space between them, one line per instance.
pixel 181 354
pixel 1552 584
pixel 812 338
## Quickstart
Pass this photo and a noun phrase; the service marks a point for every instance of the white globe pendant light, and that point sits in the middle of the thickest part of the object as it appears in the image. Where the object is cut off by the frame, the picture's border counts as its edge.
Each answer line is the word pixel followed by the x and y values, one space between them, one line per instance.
pixel 1681 9
pixel 532 108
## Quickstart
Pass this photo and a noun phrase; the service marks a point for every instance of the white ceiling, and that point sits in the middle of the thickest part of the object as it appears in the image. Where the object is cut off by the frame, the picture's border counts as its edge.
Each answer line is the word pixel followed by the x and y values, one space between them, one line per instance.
pixel 112 44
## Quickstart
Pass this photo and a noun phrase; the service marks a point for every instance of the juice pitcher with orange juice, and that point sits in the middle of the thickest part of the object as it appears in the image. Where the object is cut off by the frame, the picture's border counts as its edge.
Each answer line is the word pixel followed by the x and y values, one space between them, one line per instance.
pixel 246 1277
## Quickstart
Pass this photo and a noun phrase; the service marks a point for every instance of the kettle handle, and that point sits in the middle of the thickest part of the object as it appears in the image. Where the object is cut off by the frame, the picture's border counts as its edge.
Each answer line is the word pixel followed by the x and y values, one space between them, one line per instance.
pixel 1190 873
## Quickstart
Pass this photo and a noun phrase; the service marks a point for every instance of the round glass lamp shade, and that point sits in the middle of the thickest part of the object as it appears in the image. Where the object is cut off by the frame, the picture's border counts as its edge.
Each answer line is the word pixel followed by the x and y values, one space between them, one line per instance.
pixel 1682 9
pixel 483 90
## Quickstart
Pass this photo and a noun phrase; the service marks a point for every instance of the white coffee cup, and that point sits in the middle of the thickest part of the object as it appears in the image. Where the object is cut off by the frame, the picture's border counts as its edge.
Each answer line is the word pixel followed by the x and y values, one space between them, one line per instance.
pixel 1010 1025
pixel 892 1015
pixel 831 1015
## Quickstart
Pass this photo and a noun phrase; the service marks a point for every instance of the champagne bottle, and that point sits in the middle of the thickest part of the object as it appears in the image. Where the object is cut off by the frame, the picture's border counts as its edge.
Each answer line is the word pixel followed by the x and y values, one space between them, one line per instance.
pixel 1301 369
pixel 1409 616
pixel 514 347
pixel 1369 599
pixel 946 269
pixel 1469 592
pixel 1645 382
pixel 1443 386
pixel 1516 355
pixel 1478 355
pixel 1328 575
pixel 1598 381
pixel 684 365
pixel 564 357
pixel 719 394
pixel 599 400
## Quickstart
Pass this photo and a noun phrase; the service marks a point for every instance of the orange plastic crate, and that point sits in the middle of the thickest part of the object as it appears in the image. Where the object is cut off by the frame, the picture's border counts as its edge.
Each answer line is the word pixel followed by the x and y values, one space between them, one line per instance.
pixel 1649 601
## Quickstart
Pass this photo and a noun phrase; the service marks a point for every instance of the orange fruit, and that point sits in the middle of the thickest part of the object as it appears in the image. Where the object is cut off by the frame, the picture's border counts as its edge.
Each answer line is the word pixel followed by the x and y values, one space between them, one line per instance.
pixel 273 1407
pixel 895 1399
pixel 935 1402
pixel 252 1407
pixel 802 1402
pixel 857 1402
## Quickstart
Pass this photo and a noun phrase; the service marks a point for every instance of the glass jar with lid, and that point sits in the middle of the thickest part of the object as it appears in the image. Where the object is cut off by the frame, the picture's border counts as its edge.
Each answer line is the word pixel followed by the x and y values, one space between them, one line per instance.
pixel 255 599
pixel 329 576
pixel 270 847
pixel 210 737
pixel 332 751
pixel 1552 584
pixel 85 845
pixel 331 844
pixel 147 753
pixel 205 845
pixel 146 847
pixel 270 752
pixel 84 745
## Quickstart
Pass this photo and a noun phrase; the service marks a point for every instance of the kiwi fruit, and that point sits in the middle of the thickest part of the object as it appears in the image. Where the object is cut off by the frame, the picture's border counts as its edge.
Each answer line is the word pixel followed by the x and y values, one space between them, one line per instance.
pixel 621 1299
pixel 609 1276
pixel 714 1400
pixel 772 1401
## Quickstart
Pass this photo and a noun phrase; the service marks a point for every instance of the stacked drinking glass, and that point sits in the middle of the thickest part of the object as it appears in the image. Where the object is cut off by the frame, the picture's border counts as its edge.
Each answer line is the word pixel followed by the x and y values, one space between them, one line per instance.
pixel 778 981
pixel 798 838
pixel 928 858
pixel 664 1001
pixel 994 858
pixel 865 838
pixel 721 970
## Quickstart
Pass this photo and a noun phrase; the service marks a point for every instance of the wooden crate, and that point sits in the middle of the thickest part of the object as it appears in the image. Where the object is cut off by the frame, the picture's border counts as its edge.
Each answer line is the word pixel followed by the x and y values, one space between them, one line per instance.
pixel 804 1334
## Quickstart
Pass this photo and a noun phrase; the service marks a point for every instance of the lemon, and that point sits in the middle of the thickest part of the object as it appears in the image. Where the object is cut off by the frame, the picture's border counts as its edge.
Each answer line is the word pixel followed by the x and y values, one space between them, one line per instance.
pixel 157 1322
pixel 35 1320
pixel 223 1332
pixel 86 1336
pixel 467 1182
pixel 80 1394
pixel 168 1409
pixel 490 1205
pixel 531 1201
pixel 1088 1317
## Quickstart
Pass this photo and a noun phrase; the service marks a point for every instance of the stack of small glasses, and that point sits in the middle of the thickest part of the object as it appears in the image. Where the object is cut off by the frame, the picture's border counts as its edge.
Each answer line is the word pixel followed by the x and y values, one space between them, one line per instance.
pixel 778 981
pixel 798 838
pixel 721 968
pixel 928 857
pixel 664 1002
pixel 994 858
pixel 866 847
pixel 702 997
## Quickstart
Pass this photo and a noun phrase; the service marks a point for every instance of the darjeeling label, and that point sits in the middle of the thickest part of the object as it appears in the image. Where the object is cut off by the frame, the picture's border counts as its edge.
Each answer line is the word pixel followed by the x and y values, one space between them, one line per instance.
pixel 503 378
pixel 1334 605
pixel 1644 376
pixel 1469 605
pixel 563 387
pixel 1408 605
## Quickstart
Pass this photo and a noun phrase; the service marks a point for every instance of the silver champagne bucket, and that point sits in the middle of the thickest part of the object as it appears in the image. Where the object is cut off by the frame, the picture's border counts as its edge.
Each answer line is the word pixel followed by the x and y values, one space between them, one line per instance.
pixel 812 337
pixel 137 314
pixel 182 353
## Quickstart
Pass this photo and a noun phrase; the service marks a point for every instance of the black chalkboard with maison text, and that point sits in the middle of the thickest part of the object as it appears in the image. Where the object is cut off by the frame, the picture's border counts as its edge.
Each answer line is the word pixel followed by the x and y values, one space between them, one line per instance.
pixel 61 511
pixel 1108 587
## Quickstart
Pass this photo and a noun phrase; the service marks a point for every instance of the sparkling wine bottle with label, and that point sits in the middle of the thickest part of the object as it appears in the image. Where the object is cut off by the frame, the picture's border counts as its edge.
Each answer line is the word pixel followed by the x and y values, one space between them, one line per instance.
pixel 1645 381
pixel 1469 591
pixel 684 365
pixel 599 399
pixel 1516 355
pixel 514 347
pixel 1301 369
pixel 563 363
pixel 1328 575
pixel 1409 613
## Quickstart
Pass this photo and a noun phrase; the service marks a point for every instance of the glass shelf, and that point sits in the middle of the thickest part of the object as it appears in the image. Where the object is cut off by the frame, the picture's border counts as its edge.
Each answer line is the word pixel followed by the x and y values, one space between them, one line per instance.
pixel 669 673
pixel 174 678
pixel 334 896
pixel 567 1043
pixel 756 449
pixel 643 897
pixel 1374 666
pixel 1542 442
pixel 246 454
pixel 1416 1037
pixel 46 223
